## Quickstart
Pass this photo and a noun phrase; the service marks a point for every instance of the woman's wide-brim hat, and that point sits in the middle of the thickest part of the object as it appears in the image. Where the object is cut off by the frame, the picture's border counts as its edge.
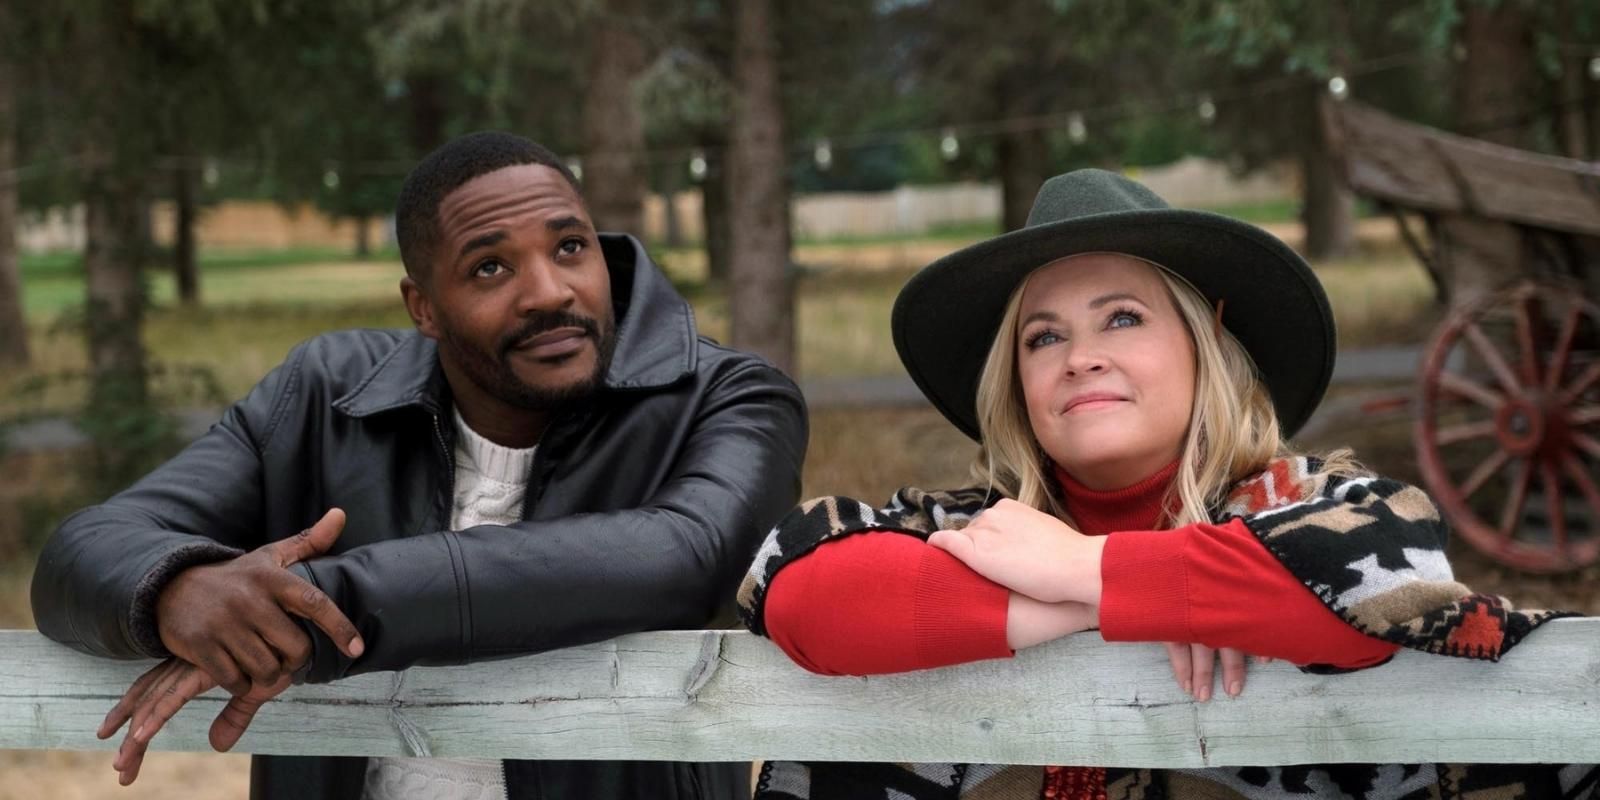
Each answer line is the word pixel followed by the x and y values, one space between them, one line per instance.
pixel 946 317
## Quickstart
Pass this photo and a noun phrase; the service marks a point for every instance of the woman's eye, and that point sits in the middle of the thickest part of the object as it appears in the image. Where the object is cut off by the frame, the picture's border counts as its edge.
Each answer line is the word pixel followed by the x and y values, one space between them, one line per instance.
pixel 1043 338
pixel 1124 319
pixel 488 269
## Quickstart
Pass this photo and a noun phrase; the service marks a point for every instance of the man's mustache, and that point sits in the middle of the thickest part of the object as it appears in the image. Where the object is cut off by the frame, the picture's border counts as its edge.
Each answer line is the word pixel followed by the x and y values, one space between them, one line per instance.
pixel 544 322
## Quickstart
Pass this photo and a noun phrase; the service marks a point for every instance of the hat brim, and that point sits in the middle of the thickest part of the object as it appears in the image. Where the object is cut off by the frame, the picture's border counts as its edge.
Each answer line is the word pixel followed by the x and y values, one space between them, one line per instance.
pixel 946 316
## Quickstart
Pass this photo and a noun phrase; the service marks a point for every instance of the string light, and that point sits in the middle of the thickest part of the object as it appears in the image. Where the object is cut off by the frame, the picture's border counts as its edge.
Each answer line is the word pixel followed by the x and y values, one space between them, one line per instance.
pixel 697 166
pixel 330 178
pixel 1594 68
pixel 823 155
pixel 1207 109
pixel 210 174
pixel 1077 130
pixel 949 147
pixel 1338 87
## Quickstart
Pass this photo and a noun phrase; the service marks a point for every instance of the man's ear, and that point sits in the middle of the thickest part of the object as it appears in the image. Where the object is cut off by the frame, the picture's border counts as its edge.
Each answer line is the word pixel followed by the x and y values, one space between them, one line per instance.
pixel 419 306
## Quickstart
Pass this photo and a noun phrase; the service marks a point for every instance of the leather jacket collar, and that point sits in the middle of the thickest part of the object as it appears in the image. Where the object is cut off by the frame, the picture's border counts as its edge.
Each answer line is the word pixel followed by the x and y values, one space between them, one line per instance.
pixel 655 342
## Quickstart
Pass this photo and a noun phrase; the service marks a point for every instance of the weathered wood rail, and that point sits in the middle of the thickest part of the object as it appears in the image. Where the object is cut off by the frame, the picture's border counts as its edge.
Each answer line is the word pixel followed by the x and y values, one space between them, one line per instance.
pixel 723 695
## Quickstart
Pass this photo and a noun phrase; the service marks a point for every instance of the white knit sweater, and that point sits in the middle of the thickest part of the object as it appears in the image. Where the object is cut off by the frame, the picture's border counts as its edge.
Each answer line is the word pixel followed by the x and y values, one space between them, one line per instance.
pixel 490 483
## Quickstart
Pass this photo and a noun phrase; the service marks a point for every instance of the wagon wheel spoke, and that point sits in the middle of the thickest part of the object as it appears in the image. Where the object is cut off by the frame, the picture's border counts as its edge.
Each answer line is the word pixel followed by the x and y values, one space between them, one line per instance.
pixel 1527 309
pixel 1563 351
pixel 1512 513
pixel 1483 472
pixel 1465 432
pixel 1491 356
pixel 1581 383
pixel 1587 415
pixel 1587 444
pixel 1552 503
pixel 1472 390
pixel 1586 486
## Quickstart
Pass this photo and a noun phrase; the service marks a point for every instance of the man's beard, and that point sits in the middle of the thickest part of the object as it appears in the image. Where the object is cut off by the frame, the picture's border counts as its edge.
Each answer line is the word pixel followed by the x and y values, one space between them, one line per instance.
pixel 493 373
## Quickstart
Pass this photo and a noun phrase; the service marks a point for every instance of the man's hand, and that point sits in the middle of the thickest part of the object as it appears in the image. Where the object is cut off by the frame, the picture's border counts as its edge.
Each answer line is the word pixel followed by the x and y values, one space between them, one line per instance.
pixel 158 694
pixel 232 620
pixel 1029 552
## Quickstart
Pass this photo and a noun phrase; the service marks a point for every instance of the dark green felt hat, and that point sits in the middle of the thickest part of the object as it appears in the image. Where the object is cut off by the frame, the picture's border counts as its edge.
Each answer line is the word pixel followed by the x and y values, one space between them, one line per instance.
pixel 947 315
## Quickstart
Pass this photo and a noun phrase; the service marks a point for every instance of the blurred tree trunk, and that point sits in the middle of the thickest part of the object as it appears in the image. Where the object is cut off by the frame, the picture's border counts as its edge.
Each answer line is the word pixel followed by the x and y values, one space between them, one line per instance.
pixel 115 304
pixel 184 260
pixel 115 221
pixel 1023 160
pixel 1494 83
pixel 613 129
pixel 363 227
pixel 425 96
pixel 1573 102
pixel 13 324
pixel 1023 156
pixel 671 184
pixel 1327 207
pixel 714 214
pixel 762 294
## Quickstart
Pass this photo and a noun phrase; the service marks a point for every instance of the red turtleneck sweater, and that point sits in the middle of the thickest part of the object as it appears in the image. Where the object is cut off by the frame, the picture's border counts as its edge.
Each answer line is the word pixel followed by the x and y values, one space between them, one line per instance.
pixel 879 602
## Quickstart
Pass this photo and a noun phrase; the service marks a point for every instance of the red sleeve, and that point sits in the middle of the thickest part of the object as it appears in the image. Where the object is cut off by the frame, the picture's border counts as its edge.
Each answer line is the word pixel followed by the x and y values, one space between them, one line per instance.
pixel 1219 586
pixel 878 602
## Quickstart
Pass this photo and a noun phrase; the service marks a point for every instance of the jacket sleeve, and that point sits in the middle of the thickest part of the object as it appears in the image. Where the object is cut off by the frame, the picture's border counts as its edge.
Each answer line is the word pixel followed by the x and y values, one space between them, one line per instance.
pixel 493 591
pixel 96 582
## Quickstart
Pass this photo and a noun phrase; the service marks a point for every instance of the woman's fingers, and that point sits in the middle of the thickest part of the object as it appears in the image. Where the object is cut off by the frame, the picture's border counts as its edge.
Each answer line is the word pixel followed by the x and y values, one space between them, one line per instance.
pixel 1182 665
pixel 956 543
pixel 1232 671
pixel 1205 661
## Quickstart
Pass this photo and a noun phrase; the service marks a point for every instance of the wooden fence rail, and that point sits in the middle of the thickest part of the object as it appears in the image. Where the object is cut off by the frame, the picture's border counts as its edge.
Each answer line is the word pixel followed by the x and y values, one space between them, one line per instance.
pixel 724 695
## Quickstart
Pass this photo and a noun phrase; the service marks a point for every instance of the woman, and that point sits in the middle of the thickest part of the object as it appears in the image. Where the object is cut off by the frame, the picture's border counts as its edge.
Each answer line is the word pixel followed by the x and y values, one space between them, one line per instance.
pixel 1131 371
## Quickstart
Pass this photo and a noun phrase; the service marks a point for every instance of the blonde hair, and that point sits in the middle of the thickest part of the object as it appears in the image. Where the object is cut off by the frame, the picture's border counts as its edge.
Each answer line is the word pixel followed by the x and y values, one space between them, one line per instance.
pixel 1233 428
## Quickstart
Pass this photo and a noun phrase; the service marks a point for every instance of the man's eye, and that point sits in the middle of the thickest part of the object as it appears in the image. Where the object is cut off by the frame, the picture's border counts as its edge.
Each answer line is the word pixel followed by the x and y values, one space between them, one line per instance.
pixel 572 247
pixel 488 269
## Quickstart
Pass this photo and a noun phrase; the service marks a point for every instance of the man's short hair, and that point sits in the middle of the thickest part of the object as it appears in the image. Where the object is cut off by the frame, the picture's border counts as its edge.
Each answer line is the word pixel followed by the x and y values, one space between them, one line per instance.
pixel 416 218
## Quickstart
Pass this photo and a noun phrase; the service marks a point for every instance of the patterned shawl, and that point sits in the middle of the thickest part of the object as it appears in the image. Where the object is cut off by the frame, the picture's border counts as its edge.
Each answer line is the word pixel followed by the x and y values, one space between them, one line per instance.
pixel 1372 549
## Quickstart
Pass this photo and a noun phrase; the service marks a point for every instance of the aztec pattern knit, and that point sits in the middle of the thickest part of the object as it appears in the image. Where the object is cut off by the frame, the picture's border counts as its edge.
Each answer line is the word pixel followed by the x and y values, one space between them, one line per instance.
pixel 1372 549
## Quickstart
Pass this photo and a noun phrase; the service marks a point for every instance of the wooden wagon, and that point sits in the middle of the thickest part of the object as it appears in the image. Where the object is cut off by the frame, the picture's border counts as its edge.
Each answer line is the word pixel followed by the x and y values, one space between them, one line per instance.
pixel 1507 429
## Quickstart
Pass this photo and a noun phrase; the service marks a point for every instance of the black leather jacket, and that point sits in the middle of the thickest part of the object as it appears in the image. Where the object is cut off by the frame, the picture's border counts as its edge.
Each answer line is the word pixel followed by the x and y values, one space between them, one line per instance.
pixel 645 506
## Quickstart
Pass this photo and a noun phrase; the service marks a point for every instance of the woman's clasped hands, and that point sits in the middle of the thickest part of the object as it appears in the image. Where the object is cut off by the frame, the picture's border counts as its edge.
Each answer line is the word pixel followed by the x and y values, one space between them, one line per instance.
pixel 1053 572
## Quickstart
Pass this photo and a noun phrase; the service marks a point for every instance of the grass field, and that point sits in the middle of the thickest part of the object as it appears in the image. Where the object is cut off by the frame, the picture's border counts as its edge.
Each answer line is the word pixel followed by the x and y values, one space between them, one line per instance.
pixel 257 306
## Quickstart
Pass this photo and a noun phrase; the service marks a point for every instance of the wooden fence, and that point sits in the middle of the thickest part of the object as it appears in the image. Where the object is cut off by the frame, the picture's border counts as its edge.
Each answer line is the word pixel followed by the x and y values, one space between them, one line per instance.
pixel 724 695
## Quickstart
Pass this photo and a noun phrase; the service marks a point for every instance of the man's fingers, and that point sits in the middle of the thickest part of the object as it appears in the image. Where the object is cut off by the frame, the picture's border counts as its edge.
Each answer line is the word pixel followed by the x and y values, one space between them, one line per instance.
pixel 287 639
pixel 311 542
pixel 123 710
pixel 219 665
pixel 1182 665
pixel 236 716
pixel 1205 661
pixel 232 722
pixel 1232 671
pixel 299 597
pixel 259 663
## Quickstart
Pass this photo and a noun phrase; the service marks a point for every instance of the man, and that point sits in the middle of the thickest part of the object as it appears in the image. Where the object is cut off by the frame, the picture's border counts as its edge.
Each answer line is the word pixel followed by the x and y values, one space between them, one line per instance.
pixel 553 457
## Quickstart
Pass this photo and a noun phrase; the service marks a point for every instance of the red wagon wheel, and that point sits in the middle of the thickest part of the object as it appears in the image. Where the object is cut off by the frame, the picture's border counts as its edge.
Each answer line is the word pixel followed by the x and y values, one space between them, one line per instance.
pixel 1508 438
